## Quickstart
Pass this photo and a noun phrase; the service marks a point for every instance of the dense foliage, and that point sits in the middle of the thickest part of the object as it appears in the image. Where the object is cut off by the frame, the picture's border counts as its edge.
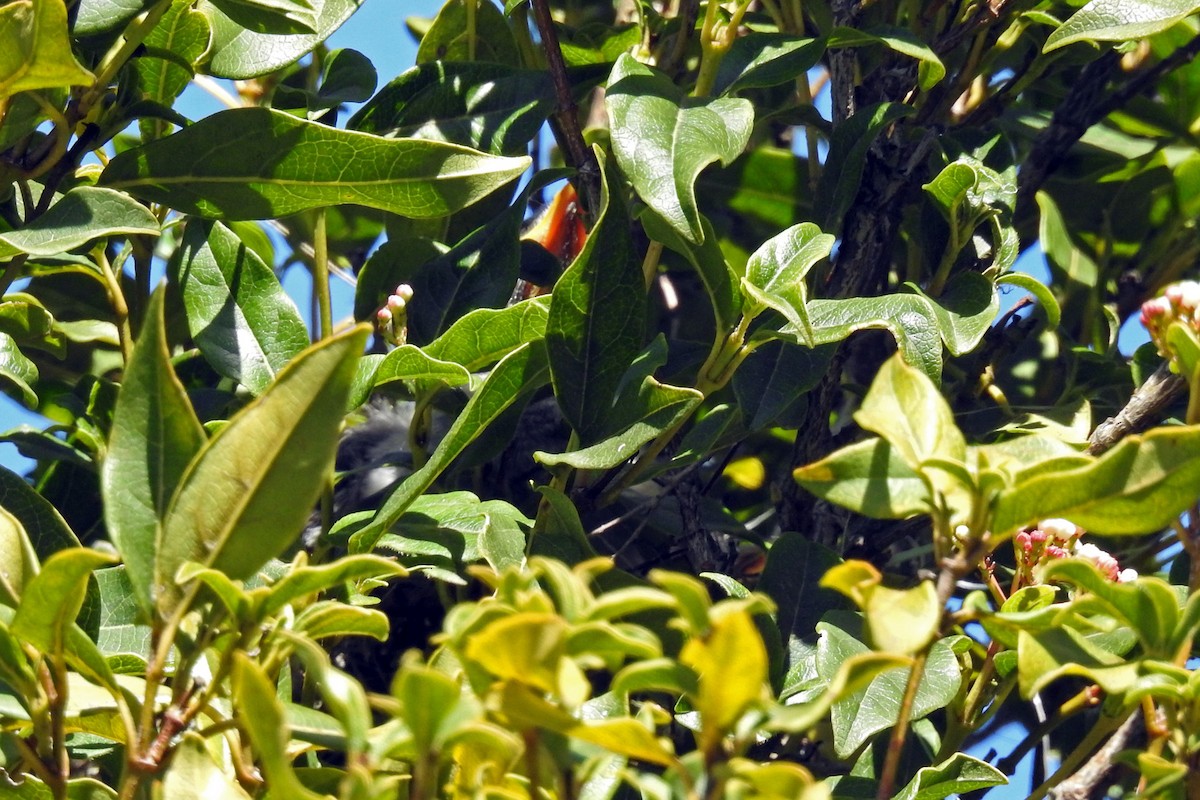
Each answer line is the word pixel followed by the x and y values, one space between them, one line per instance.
pixel 726 477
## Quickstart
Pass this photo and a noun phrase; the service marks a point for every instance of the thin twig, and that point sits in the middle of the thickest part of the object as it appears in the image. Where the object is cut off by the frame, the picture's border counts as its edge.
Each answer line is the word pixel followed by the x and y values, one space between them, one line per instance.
pixel 566 116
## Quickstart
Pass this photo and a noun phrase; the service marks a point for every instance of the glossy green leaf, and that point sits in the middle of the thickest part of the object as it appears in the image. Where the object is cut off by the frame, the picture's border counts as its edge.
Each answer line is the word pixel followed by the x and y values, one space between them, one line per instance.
pixel 247 493
pixel 488 106
pixel 101 16
pixel 482 337
pixel 771 384
pixel 859 716
pixel 260 714
pixel 662 139
pixel 52 599
pixel 853 676
pixel 18 370
pixel 870 477
pixel 1139 486
pixel 930 70
pixel 1045 656
pixel 597 311
pixel 238 52
pixel 271 16
pixel 458 35
pixel 155 436
pixel 758 60
pixel 1148 606
pixel 411 363
pixel 237 311
pixel 35 48
pixel 959 318
pixel 956 775
pixel 1119 20
pixel 776 271
pixel 79 216
pixel 193 775
pixel 520 372
pixel 791 578
pixel 906 408
pixel 656 409
pixel 256 163
pixel 842 174
pixel 173 47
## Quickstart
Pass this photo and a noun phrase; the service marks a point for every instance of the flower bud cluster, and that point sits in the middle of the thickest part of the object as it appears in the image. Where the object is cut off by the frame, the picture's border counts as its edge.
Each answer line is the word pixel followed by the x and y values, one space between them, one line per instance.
pixel 392 320
pixel 1180 302
pixel 1060 538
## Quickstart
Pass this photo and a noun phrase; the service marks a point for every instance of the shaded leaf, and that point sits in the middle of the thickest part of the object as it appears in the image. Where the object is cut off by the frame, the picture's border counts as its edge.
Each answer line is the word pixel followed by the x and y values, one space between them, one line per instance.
pixel 869 477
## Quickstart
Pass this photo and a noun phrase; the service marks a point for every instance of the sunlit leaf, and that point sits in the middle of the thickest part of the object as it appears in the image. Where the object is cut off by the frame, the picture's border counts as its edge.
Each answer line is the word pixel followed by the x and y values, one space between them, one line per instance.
pixel 35 48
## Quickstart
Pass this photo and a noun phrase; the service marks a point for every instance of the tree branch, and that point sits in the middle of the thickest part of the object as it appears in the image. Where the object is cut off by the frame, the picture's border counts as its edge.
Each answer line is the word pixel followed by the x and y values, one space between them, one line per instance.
pixel 1148 406
pixel 567 131
pixel 1090 779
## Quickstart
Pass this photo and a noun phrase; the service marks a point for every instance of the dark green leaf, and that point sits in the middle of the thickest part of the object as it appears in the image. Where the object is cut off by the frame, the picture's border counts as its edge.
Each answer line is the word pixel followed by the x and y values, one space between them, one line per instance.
pixel 47 531
pixel 792 578
pixel 241 53
pixel 843 168
pixel 597 317
pixel 173 47
pixel 238 314
pixel 765 59
pixel 256 163
pixel 469 30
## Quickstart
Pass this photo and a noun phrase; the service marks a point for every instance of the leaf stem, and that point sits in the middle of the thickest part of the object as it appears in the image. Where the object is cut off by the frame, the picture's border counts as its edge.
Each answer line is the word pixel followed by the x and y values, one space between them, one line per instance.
pixel 121 52
pixel 116 298
pixel 320 263
pixel 891 763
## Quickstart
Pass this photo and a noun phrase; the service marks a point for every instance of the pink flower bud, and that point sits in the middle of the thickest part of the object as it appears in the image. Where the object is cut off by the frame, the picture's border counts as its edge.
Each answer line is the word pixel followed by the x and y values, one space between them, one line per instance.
pixel 404 292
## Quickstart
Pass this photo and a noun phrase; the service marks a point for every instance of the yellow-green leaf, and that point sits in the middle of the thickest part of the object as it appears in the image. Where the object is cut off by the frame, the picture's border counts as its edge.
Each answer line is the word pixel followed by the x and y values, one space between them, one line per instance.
pixel 35 48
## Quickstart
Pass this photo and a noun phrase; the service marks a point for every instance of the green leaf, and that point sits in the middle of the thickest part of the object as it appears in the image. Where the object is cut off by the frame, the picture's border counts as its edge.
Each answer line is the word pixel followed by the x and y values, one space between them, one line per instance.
pixel 656 408
pixel 18 370
pixel 959 318
pixel 237 312
pixel 870 477
pixel 33 788
pixel 520 372
pixel 121 631
pixel 900 621
pixel 102 16
pixel 48 532
pixel 257 163
pixel 1040 291
pixel 172 48
pixel 842 173
pixel 792 578
pixel 306 581
pixel 1140 486
pixel 859 716
pixel 35 48
pixel 930 69
pixel 411 363
pixel 270 16
pixel 81 215
pixel 1119 20
pixel 455 36
pixel 758 60
pixel 770 385
pixel 248 492
pixel 731 662
pixel 155 435
pixel 597 317
pixel 20 562
pixel 241 53
pixel 906 408
pixel 720 281
pixel 956 775
pixel 341 694
pixel 775 273
pixel 491 107
pixel 663 139
pixel 260 714
pixel 52 599
pixel 1044 656
pixel 327 619
pixel 482 337
pixel 193 775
